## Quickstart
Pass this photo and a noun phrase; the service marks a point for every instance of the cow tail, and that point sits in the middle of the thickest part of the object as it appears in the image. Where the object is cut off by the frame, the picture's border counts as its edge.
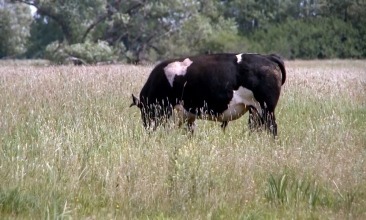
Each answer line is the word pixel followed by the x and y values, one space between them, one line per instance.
pixel 275 58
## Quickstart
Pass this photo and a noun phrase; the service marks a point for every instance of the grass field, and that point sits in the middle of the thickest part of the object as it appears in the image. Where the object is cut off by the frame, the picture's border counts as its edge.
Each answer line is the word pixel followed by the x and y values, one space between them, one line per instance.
pixel 71 148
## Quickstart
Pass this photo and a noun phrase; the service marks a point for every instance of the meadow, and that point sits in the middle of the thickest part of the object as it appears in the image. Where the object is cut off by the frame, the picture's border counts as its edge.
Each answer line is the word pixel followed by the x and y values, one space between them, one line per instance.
pixel 71 148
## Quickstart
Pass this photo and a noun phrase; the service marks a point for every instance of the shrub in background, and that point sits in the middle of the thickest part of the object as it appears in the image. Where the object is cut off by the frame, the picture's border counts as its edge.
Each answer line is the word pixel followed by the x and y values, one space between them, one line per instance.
pixel 88 52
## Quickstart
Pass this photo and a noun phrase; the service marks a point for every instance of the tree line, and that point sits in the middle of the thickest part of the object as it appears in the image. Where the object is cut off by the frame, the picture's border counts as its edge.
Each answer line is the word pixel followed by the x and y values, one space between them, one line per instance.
pixel 134 31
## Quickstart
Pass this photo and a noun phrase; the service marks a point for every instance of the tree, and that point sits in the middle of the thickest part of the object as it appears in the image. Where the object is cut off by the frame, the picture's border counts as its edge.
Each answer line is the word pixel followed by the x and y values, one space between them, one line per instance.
pixel 14 28
pixel 75 18
pixel 143 25
pixel 138 30
pixel 200 34
pixel 43 31
pixel 131 26
pixel 75 21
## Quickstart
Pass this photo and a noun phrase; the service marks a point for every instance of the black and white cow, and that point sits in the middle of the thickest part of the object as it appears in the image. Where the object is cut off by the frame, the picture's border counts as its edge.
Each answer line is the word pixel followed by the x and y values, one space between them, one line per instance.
pixel 218 87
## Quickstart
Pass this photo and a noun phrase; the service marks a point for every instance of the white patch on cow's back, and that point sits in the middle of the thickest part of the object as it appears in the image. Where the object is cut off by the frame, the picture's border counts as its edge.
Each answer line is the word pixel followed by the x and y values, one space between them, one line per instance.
pixel 246 97
pixel 176 68
pixel 238 57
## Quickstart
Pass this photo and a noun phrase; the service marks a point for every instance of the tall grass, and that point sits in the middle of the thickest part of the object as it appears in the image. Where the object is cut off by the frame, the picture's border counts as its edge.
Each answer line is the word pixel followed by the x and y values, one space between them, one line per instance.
pixel 72 148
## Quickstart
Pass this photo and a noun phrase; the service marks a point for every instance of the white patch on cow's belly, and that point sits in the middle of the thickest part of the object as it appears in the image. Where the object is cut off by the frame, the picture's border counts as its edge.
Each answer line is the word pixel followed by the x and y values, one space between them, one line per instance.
pixel 176 68
pixel 246 97
pixel 242 99
pixel 238 57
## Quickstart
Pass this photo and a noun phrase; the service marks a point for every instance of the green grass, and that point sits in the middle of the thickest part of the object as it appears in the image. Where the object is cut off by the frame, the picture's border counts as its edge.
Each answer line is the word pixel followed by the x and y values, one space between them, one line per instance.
pixel 71 148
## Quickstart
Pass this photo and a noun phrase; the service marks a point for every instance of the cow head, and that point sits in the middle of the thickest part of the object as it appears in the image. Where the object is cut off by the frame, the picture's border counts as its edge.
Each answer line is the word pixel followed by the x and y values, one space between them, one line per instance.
pixel 153 113
pixel 135 101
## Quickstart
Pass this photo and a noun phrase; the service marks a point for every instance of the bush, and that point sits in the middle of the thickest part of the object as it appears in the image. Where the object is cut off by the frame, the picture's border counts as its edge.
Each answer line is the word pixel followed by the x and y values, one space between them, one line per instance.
pixel 309 39
pixel 88 52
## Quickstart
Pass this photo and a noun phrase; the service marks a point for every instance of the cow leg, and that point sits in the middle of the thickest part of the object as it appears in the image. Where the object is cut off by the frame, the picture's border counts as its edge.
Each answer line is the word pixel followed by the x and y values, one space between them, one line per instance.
pixel 268 118
pixel 255 122
pixel 178 117
pixel 191 125
pixel 271 124
pixel 182 116
pixel 165 114
pixel 223 125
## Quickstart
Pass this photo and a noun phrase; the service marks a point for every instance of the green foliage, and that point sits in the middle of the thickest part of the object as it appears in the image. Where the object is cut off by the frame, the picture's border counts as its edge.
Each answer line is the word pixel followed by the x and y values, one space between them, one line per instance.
pixel 153 30
pixel 224 38
pixel 93 52
pixel 14 202
pixel 55 52
pixel 310 38
pixel 43 32
pixel 88 52
pixel 14 29
pixel 73 17
pixel 205 36
pixel 139 26
pixel 288 190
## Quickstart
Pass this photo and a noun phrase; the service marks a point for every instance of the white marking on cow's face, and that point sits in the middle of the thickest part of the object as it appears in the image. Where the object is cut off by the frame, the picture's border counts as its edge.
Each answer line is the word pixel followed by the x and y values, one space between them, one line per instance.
pixel 238 57
pixel 176 68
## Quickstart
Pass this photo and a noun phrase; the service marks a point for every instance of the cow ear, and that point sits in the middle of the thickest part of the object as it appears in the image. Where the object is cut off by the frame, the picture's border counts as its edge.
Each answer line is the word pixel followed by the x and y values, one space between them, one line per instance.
pixel 135 101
